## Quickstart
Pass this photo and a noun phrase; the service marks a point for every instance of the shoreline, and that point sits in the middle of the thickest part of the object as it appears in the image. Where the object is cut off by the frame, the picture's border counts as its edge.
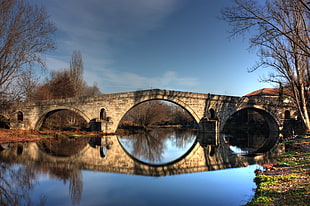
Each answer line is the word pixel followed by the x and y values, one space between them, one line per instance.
pixel 15 136
pixel 286 182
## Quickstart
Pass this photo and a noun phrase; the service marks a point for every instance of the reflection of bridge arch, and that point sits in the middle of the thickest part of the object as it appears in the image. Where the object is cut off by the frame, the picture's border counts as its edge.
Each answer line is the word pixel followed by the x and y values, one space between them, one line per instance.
pixel 43 116
pixel 63 147
pixel 117 161
pixel 72 158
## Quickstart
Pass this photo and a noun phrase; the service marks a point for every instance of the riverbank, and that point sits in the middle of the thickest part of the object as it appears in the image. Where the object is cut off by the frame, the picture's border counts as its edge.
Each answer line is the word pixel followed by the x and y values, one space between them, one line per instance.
pixel 288 181
pixel 13 136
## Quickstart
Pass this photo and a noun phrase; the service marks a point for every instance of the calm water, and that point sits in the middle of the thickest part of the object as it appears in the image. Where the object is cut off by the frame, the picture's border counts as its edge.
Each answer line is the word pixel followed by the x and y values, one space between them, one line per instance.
pixel 170 167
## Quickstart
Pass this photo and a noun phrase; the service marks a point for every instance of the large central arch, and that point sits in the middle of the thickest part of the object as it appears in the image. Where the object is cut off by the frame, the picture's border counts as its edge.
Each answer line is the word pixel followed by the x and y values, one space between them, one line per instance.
pixel 171 99
pixel 178 102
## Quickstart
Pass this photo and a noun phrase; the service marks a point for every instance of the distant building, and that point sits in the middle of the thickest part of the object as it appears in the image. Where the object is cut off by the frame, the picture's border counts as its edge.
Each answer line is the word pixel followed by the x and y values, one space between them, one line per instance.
pixel 265 92
pixel 283 94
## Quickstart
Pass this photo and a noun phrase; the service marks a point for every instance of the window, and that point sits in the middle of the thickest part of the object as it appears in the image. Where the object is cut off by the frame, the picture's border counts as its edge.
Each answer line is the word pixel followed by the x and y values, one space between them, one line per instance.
pixel 20 116
pixel 103 114
pixel 287 114
pixel 212 113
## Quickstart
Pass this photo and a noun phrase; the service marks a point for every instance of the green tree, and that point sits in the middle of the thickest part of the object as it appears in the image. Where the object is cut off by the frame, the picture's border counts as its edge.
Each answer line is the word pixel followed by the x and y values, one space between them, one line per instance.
pixel 280 31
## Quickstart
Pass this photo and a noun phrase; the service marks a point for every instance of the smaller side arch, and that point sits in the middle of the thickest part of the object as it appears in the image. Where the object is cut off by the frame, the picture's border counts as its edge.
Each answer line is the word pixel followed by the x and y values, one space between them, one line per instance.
pixel 4 121
pixel 271 117
pixel 39 121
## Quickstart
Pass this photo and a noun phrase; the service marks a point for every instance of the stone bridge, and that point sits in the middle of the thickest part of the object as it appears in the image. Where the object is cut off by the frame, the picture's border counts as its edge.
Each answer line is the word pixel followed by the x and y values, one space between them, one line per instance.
pixel 107 110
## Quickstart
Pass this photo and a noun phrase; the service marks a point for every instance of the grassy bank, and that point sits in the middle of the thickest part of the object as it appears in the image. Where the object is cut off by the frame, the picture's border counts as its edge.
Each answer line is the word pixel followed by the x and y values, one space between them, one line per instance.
pixel 12 136
pixel 288 181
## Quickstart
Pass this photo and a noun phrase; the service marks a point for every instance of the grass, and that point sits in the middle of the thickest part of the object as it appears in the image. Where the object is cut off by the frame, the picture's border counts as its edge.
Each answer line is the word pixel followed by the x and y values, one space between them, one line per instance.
pixel 289 182
pixel 10 136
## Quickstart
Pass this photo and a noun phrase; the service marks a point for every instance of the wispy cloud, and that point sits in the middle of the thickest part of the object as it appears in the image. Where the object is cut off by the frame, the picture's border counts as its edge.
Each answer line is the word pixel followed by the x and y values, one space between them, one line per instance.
pixel 106 21
pixel 110 80
pixel 98 27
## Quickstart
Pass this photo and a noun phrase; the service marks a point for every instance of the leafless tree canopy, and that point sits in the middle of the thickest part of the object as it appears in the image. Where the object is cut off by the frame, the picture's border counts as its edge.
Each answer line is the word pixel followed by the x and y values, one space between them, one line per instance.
pixel 76 71
pixel 156 112
pixel 280 30
pixel 25 34
pixel 66 83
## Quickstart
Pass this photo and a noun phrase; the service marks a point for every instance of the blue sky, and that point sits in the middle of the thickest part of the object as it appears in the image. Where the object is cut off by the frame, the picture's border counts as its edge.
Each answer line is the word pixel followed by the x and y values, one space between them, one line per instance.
pixel 131 45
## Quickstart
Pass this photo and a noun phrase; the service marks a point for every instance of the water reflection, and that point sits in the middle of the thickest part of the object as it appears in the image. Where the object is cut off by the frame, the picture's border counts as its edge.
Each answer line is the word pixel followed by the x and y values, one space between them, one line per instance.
pixel 158 146
pixel 80 170
pixel 15 183
pixel 246 143
pixel 63 147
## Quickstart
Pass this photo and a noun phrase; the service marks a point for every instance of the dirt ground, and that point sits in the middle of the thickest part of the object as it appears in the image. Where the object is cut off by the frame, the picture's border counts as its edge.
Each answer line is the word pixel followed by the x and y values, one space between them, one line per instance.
pixel 12 136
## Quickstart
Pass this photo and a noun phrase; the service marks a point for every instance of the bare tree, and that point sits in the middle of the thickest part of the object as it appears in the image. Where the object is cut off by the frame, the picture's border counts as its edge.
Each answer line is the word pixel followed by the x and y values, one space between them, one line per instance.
pixel 90 90
pixel 26 84
pixel 25 34
pixel 61 85
pixel 147 113
pixel 280 30
pixel 76 72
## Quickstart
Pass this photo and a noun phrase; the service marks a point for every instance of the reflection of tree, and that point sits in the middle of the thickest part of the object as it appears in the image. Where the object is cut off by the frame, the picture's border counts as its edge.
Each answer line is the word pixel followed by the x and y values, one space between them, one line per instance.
pixel 182 137
pixel 66 173
pixel 150 144
pixel 15 184
pixel 17 180
pixel 147 145
pixel 76 186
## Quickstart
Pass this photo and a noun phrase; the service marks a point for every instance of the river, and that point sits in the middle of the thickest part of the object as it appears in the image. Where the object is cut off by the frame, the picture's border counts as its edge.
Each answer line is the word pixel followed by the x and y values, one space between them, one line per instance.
pixel 158 167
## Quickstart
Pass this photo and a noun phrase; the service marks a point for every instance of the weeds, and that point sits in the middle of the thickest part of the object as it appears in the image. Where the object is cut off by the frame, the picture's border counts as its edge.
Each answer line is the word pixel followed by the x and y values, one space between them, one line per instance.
pixel 289 182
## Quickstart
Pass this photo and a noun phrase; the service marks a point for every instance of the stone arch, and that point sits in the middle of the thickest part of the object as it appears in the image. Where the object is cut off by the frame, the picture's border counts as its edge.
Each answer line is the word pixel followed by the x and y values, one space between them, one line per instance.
pixel 4 121
pixel 177 102
pixel 41 118
pixel 272 119
pixel 171 99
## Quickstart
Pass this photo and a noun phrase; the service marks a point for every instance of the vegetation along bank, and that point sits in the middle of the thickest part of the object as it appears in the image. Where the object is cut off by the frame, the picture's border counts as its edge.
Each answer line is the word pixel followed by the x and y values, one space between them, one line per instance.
pixel 288 181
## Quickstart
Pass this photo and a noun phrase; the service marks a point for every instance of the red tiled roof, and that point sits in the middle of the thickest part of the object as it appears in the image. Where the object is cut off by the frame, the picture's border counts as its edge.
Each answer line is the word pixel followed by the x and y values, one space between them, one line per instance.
pixel 264 92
